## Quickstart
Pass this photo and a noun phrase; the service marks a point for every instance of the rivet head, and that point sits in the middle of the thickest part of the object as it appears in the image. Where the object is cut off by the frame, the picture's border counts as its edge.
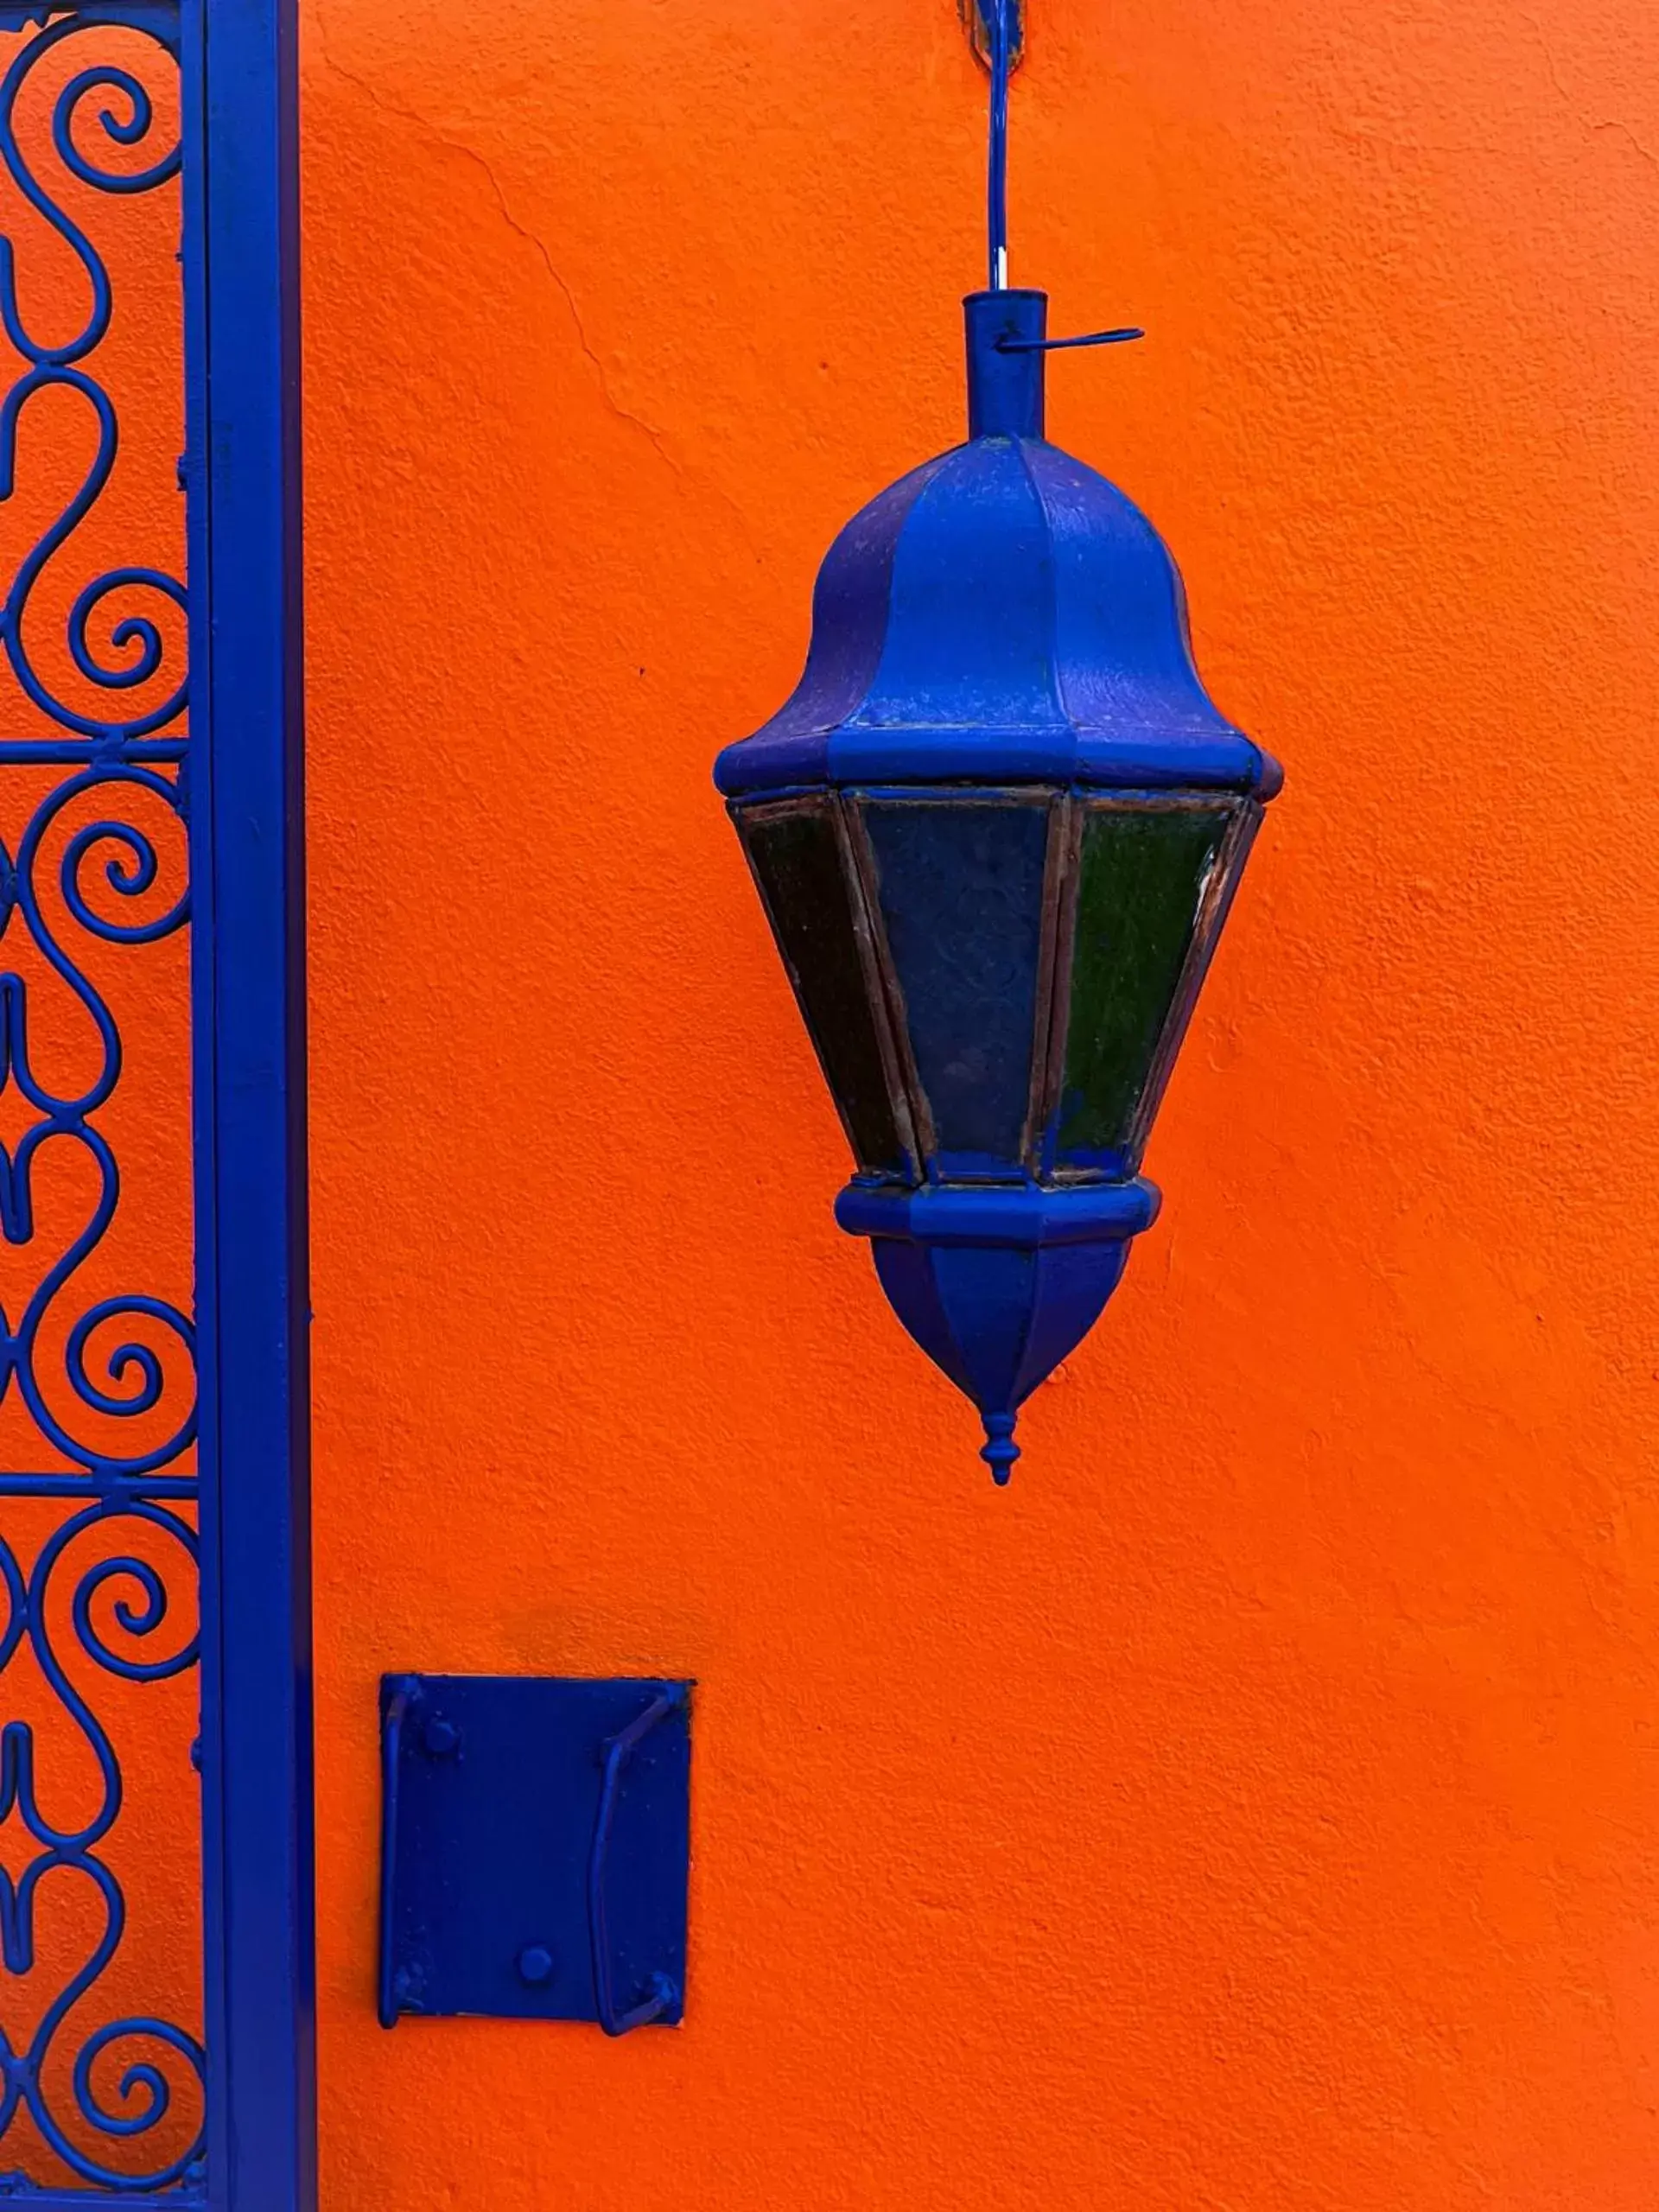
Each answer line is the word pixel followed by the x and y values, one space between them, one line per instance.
pixel 439 1737
pixel 535 1963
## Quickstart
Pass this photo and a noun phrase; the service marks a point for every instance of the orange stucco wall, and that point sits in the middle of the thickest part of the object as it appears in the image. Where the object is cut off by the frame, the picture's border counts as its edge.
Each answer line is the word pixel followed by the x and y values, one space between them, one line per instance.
pixel 1257 1806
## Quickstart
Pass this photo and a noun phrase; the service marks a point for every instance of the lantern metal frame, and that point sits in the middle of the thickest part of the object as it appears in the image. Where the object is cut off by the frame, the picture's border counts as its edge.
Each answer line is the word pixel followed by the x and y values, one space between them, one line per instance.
pixel 1003 628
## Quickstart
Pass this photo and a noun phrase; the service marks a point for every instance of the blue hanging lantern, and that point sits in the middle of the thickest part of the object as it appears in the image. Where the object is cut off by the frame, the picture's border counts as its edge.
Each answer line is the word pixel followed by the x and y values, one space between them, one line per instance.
pixel 996 830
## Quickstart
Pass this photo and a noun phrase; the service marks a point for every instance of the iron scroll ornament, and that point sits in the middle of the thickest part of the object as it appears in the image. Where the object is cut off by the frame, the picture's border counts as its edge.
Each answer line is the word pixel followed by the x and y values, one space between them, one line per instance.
pixel 143 2087
pixel 57 364
pixel 111 1489
pixel 87 851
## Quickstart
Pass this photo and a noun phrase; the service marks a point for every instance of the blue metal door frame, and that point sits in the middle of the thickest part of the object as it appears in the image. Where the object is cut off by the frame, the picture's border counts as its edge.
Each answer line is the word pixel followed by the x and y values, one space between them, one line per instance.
pixel 241 262
pixel 236 780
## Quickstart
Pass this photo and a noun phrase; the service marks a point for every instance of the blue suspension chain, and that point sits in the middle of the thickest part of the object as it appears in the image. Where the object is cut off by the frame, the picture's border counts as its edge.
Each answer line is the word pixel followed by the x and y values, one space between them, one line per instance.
pixel 996 23
pixel 1000 38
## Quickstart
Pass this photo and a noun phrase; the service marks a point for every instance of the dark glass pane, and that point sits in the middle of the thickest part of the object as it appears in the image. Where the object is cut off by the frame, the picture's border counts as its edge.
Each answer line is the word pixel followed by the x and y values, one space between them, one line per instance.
pixel 1142 875
pixel 960 891
pixel 797 859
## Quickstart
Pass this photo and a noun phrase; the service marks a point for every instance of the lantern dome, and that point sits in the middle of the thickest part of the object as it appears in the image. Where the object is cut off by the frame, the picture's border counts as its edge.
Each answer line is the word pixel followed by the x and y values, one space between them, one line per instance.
pixel 997 830
pixel 1001 612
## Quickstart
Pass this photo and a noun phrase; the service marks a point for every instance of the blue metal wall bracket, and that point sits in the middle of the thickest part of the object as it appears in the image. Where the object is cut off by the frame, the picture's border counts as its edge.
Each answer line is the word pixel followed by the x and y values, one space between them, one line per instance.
pixel 535 1845
pixel 976 21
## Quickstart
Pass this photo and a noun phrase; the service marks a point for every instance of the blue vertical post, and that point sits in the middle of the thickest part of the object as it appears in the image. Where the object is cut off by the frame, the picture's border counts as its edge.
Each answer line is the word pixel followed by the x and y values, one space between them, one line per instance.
pixel 243 371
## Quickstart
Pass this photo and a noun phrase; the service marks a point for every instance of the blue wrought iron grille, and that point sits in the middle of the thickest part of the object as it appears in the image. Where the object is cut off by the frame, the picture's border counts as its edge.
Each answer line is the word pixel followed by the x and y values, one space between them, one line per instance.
pixel 154 1732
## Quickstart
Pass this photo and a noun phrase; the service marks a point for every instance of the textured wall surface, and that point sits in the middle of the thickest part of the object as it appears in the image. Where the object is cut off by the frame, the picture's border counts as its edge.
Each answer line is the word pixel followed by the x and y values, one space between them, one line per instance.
pixel 1257 1807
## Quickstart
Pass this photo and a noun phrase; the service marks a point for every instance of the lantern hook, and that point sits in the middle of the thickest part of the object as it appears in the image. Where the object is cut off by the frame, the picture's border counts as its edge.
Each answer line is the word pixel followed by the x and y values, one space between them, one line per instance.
pixel 1059 345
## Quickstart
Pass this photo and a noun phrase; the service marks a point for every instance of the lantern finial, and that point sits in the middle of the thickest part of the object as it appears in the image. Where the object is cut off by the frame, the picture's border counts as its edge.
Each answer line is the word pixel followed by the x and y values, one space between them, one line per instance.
pixel 999 1451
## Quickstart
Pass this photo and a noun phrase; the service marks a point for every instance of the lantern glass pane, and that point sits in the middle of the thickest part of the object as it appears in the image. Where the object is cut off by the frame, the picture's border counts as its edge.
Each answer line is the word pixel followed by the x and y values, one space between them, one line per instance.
pixel 795 856
pixel 959 886
pixel 1143 872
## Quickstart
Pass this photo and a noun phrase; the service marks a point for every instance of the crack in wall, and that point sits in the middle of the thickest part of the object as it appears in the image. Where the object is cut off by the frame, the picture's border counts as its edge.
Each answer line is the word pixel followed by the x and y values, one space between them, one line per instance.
pixel 430 130
pixel 1591 126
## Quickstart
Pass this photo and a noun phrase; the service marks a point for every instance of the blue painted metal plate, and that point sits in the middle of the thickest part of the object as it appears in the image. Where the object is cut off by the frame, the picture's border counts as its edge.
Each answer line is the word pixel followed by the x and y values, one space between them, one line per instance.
pixel 536 1839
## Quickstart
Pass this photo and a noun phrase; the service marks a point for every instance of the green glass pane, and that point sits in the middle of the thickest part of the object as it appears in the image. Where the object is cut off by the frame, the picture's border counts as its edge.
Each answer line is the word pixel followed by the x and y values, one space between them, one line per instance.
pixel 797 859
pixel 1142 875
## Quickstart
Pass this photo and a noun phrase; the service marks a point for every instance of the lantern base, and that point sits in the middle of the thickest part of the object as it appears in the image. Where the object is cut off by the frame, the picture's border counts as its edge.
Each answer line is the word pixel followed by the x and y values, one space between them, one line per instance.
pixel 997 1283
